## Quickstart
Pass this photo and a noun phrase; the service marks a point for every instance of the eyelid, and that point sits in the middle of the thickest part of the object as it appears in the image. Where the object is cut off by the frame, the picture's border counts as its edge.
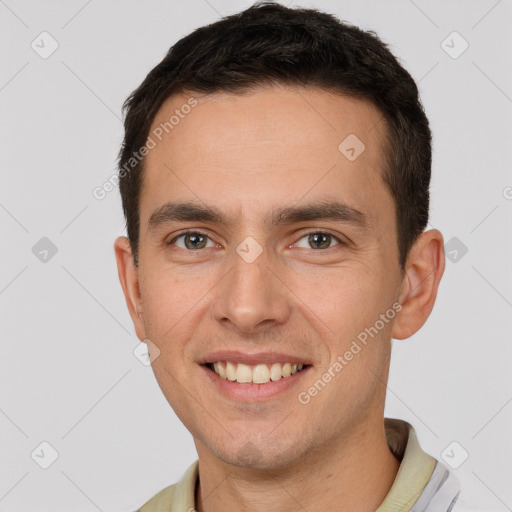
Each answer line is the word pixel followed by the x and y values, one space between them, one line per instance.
pixel 340 240
pixel 187 231
pixel 300 237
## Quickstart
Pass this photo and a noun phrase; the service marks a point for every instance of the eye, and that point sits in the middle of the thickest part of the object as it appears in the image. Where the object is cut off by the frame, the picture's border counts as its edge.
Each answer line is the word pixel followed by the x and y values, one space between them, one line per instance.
pixel 192 240
pixel 319 240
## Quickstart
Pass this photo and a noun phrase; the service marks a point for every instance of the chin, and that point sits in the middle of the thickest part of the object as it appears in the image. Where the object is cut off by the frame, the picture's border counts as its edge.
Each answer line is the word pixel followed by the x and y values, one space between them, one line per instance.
pixel 260 453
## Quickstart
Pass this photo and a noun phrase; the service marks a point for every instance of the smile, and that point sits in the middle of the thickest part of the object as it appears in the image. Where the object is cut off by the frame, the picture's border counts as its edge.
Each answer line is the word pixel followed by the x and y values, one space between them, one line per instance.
pixel 254 374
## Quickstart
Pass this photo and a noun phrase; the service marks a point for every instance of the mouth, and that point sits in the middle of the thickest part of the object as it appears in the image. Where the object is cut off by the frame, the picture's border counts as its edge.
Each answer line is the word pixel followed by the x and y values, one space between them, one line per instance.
pixel 259 374
pixel 245 377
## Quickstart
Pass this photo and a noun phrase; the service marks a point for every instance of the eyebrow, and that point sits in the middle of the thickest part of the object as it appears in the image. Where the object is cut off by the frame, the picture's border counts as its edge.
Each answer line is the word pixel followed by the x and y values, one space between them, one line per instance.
pixel 320 210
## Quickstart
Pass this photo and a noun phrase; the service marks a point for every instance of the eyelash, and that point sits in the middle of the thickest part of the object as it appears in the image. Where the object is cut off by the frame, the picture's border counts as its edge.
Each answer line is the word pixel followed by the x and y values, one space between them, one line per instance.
pixel 340 243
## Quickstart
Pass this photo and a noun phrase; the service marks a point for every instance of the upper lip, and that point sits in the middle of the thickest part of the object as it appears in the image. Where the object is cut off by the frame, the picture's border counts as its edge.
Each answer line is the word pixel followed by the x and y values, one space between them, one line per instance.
pixel 252 359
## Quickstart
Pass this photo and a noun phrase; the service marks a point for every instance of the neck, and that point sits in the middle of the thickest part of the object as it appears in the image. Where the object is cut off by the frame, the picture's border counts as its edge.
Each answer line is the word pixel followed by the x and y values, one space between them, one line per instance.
pixel 353 474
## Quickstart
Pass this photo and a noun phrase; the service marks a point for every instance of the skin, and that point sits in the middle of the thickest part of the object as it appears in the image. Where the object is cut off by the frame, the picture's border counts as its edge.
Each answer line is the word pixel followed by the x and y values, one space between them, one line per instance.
pixel 246 154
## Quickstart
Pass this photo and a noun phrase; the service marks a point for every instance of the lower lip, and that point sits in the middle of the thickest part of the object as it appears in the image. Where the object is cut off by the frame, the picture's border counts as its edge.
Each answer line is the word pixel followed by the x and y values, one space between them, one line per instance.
pixel 248 392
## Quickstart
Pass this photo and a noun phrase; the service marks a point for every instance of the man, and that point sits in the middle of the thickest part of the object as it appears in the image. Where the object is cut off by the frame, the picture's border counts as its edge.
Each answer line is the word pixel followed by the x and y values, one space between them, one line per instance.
pixel 275 181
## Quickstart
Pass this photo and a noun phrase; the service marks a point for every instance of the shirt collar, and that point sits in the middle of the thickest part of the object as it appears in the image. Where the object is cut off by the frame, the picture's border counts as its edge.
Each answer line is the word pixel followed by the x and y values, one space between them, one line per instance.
pixel 414 473
pixel 415 469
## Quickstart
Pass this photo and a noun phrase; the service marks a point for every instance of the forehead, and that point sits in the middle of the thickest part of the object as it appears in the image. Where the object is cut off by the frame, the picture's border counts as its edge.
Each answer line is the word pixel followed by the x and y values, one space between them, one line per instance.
pixel 271 147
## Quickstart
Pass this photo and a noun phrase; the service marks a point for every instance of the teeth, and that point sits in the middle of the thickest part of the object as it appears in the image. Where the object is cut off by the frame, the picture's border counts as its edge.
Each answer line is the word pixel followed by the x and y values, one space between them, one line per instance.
pixel 230 371
pixel 258 374
pixel 243 373
pixel 275 371
pixel 221 370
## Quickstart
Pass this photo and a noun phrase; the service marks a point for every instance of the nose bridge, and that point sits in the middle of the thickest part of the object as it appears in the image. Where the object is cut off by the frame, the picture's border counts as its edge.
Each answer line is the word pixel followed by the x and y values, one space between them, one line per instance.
pixel 251 295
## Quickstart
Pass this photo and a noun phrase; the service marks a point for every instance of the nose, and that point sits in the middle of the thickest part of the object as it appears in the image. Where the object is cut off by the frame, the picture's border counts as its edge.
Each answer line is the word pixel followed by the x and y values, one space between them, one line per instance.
pixel 252 296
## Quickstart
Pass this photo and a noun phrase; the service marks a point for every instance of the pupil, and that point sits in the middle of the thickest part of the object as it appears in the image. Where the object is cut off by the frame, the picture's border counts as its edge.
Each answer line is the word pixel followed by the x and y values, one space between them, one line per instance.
pixel 193 240
pixel 321 239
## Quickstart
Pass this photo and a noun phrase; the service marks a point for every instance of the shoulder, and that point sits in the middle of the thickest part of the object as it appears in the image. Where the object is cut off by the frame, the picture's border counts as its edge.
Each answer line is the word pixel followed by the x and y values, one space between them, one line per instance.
pixel 176 497
pixel 159 502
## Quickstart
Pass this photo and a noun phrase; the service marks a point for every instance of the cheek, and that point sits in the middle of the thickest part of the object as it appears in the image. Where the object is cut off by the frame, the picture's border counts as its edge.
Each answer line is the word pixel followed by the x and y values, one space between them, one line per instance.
pixel 344 305
pixel 170 303
pixel 341 300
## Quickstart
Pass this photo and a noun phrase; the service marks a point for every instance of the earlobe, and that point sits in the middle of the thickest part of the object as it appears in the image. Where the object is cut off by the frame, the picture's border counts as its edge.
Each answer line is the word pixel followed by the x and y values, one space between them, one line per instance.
pixel 424 269
pixel 129 279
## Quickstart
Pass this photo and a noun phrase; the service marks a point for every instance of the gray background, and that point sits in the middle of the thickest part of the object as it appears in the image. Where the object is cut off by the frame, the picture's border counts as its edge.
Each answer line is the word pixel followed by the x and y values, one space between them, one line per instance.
pixel 68 374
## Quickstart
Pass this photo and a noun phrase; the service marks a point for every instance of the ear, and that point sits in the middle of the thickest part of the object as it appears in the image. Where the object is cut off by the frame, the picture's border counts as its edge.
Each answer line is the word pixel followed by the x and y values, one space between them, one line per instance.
pixel 128 276
pixel 423 272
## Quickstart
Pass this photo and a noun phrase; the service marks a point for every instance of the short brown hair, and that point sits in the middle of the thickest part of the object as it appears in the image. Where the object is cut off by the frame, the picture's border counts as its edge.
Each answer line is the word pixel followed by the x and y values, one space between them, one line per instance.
pixel 270 43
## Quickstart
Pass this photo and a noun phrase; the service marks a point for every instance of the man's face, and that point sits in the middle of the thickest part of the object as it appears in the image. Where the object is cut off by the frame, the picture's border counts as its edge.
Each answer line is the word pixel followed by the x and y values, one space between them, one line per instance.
pixel 289 289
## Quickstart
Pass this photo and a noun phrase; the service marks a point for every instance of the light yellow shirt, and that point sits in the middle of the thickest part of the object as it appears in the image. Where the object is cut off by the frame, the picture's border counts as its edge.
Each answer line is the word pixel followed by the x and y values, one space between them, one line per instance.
pixel 420 480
